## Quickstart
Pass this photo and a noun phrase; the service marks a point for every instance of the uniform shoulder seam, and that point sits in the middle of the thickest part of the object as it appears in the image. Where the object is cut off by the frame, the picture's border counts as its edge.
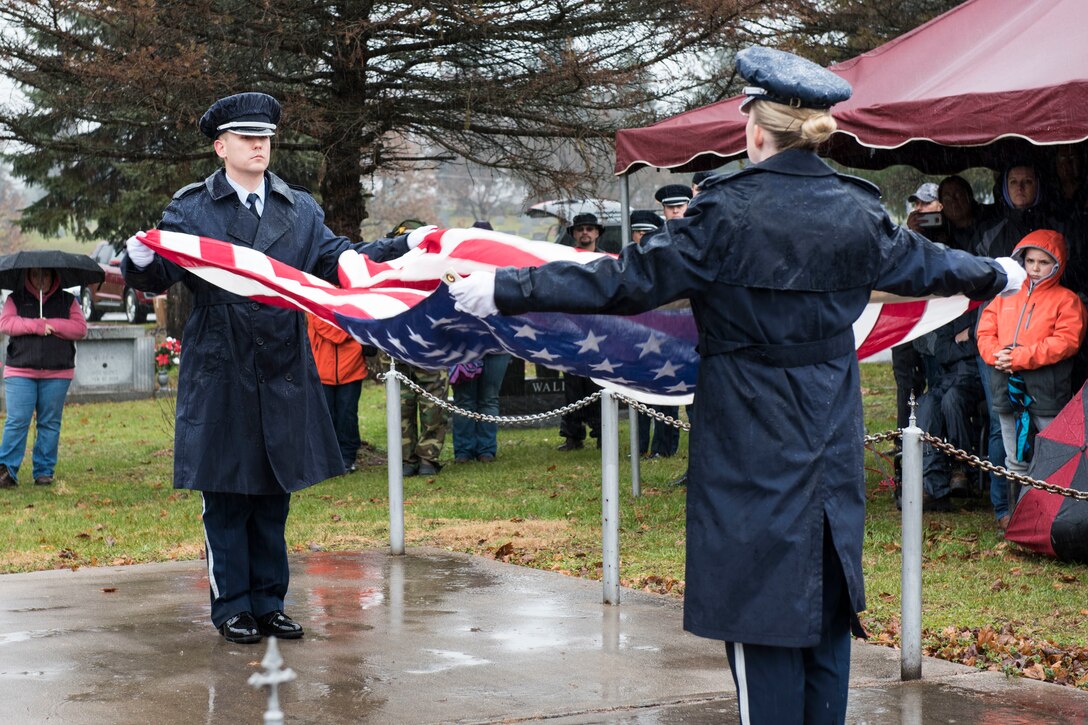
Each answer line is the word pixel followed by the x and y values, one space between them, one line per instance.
pixel 186 190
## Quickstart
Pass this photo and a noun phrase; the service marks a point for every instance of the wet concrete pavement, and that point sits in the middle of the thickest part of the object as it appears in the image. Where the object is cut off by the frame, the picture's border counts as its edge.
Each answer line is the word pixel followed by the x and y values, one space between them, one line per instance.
pixel 430 637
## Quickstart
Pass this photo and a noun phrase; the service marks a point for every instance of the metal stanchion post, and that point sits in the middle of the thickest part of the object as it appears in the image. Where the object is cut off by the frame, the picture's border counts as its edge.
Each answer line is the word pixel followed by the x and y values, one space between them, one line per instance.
pixel 610 497
pixel 911 496
pixel 395 466
pixel 636 473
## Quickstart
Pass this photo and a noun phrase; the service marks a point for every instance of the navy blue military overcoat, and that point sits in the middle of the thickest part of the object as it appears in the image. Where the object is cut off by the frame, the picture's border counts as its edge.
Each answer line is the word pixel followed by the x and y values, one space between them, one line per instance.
pixel 251 415
pixel 778 261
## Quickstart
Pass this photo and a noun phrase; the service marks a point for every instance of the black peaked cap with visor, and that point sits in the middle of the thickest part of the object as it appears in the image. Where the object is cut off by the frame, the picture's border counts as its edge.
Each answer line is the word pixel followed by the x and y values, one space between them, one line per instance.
pixel 246 114
pixel 789 79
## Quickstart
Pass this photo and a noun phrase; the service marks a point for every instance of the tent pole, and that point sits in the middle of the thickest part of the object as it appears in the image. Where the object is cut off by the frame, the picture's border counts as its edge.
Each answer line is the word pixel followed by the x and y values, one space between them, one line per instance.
pixel 625 210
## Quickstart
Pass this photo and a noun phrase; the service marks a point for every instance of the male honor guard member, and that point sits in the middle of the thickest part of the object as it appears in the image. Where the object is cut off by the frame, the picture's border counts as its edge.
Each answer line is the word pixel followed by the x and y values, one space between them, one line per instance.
pixel 252 422
pixel 643 222
pixel 674 200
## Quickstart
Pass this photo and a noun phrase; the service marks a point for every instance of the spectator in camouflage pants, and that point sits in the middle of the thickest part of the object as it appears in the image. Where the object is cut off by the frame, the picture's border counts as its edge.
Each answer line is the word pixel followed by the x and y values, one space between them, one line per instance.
pixel 422 445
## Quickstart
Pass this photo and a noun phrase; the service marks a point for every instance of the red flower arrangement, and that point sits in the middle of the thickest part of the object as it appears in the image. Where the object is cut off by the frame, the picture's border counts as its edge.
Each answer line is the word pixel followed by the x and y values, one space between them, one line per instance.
pixel 167 355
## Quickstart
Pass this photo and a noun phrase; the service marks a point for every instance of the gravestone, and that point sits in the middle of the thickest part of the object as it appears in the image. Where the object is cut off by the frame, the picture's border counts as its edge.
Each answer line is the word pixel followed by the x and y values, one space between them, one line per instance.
pixel 521 395
pixel 114 362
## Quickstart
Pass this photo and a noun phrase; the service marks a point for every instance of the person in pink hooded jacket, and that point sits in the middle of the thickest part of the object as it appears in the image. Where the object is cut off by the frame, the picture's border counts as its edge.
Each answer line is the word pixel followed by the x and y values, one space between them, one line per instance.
pixel 1030 339
pixel 42 323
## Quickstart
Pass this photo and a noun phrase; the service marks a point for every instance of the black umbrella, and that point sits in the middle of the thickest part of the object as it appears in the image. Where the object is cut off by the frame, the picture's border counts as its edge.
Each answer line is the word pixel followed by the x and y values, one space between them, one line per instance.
pixel 74 270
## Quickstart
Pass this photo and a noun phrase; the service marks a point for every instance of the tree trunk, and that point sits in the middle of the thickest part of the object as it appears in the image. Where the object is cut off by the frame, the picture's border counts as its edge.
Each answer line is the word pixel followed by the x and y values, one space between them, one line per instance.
pixel 342 194
pixel 179 303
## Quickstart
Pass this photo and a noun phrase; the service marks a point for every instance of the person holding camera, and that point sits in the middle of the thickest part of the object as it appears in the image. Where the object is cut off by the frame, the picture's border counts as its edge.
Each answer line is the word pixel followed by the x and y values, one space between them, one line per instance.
pixel 925 215
pixel 908 364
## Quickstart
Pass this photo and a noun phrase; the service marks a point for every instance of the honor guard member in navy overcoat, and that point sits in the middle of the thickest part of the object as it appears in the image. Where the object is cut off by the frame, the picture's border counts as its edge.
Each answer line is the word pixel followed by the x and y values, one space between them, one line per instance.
pixel 779 260
pixel 674 200
pixel 644 221
pixel 252 423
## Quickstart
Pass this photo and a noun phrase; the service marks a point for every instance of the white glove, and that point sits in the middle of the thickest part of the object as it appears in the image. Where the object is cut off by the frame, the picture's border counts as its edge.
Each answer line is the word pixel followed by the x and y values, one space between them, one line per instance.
pixel 475 294
pixel 415 237
pixel 1015 273
pixel 140 254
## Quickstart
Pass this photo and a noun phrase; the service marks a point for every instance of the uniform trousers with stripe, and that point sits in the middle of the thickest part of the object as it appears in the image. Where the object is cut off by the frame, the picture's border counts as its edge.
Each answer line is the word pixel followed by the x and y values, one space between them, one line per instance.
pixel 247 553
pixel 795 685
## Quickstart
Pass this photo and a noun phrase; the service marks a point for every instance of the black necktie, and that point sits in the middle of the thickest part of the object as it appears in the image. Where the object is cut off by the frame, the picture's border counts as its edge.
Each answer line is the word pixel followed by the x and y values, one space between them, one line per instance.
pixel 251 200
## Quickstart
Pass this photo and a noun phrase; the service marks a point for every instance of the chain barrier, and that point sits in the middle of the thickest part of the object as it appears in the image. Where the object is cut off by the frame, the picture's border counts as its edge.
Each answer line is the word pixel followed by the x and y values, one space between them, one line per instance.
pixel 941 445
pixel 656 414
pixel 972 460
pixel 878 437
pixel 446 405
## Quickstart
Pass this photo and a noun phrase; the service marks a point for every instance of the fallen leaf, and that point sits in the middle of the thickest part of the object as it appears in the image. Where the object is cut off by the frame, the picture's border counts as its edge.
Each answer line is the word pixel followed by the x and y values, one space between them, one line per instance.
pixel 1035 672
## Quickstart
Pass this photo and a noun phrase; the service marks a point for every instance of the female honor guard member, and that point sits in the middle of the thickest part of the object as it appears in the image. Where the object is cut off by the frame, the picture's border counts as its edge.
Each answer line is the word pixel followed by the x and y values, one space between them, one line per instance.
pixel 252 424
pixel 778 260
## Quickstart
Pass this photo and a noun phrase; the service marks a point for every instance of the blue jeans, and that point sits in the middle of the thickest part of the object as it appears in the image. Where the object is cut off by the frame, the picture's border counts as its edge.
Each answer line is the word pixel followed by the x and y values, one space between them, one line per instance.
pixel 999 485
pixel 473 438
pixel 26 397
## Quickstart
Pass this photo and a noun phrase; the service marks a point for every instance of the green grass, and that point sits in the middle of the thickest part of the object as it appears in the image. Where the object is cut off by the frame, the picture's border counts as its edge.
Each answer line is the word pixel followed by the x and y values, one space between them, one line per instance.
pixel 985 602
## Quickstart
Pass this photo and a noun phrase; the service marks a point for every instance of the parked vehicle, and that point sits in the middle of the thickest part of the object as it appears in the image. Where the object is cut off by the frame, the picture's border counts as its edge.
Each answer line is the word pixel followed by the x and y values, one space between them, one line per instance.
pixel 112 294
pixel 608 213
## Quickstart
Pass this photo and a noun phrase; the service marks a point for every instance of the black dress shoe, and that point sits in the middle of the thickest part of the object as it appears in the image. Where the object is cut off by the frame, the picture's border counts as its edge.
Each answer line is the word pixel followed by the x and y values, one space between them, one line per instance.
pixel 241 628
pixel 571 445
pixel 942 504
pixel 6 479
pixel 278 624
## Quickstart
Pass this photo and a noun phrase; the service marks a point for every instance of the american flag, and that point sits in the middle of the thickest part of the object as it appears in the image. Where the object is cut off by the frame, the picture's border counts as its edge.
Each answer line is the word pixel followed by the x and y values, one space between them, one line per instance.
pixel 403 308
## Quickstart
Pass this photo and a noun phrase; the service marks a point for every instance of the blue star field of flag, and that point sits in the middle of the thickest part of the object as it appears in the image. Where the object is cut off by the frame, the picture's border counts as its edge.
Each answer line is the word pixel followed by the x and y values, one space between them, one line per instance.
pixel 653 352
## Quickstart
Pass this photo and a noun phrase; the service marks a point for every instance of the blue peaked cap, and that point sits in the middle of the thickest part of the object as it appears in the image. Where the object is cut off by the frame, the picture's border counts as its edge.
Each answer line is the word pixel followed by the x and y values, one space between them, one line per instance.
pixel 789 79
pixel 248 114
pixel 644 220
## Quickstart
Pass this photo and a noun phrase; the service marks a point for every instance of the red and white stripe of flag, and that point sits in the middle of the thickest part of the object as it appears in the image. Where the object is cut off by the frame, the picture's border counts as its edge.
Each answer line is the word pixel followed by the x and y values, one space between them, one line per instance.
pixel 381 290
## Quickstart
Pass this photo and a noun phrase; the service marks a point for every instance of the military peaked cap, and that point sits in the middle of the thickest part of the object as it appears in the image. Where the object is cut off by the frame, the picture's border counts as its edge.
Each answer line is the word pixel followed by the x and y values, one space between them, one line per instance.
pixel 673 194
pixel 789 79
pixel 644 220
pixel 247 114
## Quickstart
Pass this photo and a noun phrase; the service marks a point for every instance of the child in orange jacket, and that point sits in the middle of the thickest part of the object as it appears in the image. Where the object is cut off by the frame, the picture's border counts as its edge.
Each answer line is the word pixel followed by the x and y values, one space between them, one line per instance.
pixel 341 367
pixel 1033 335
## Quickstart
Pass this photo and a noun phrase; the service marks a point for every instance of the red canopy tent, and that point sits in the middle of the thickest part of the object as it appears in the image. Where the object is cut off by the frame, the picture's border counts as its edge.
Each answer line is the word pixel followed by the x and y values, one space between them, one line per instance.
pixel 985 81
